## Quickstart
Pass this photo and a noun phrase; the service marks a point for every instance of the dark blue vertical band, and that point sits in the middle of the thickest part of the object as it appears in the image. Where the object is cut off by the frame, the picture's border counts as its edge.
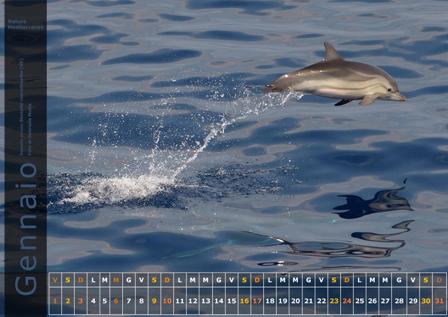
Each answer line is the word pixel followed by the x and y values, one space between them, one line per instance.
pixel 25 158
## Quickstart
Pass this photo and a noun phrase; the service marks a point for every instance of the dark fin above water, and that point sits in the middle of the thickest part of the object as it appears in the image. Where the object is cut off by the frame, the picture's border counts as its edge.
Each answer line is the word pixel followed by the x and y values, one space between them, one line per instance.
pixel 330 52
pixel 342 102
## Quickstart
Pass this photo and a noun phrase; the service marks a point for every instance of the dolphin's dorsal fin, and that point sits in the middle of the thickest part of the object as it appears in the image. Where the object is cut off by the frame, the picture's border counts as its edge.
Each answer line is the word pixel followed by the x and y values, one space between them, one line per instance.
pixel 330 52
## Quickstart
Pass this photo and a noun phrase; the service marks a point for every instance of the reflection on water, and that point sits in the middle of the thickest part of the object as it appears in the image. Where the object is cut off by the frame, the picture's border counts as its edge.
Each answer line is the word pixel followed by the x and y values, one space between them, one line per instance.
pixel 384 201
pixel 344 249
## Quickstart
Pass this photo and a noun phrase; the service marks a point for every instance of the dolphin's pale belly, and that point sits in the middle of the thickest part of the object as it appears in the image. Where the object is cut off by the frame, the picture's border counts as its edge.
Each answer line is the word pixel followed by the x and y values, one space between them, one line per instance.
pixel 339 93
pixel 344 88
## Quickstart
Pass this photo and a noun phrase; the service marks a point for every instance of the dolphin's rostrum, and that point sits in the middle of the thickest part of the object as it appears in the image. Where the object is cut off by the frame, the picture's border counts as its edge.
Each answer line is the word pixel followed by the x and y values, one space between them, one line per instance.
pixel 335 77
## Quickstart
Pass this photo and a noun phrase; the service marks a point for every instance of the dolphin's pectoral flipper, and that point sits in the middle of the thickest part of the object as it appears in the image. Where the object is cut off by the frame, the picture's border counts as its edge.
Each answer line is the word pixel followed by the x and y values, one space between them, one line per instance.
pixel 342 102
pixel 368 99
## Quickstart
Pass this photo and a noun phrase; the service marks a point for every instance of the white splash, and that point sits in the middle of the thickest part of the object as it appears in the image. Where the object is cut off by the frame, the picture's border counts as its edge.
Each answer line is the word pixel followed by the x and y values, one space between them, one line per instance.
pixel 164 166
pixel 115 189
pixel 246 106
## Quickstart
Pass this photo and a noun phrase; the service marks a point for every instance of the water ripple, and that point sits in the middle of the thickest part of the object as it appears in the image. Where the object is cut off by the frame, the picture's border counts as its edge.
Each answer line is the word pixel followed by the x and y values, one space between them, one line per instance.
pixel 108 3
pixel 160 56
pixel 249 7
pixel 176 18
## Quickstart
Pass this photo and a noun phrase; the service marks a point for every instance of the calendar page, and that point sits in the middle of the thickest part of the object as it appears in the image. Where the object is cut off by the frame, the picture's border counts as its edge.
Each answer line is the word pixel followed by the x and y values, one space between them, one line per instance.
pixel 224 157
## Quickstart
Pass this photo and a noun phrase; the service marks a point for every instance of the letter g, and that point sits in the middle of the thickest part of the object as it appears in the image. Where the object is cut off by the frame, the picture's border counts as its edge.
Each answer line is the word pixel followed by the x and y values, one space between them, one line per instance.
pixel 28 279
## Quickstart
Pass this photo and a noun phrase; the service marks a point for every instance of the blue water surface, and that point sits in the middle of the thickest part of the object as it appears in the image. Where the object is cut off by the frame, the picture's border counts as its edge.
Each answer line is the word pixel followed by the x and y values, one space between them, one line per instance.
pixel 165 156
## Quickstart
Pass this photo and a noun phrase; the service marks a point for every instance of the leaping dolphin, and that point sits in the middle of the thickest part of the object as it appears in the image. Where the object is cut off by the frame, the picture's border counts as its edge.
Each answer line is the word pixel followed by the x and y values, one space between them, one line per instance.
pixel 335 77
